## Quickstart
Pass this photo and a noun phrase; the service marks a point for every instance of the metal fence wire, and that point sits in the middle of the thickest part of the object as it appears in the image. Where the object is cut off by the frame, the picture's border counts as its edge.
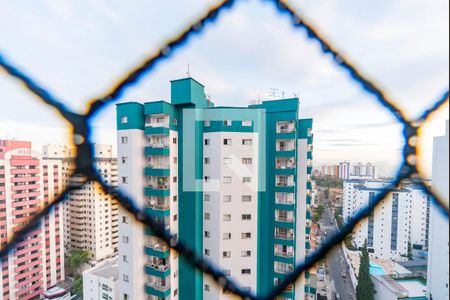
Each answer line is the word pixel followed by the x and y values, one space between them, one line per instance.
pixel 81 136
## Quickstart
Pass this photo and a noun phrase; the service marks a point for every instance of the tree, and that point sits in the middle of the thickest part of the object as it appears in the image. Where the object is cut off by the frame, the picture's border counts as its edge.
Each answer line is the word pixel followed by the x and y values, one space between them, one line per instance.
pixel 365 289
pixel 75 260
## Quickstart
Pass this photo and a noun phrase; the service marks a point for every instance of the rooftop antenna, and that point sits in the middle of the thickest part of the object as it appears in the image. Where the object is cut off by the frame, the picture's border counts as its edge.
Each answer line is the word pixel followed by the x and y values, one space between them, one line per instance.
pixel 188 70
pixel 282 93
pixel 296 95
pixel 273 92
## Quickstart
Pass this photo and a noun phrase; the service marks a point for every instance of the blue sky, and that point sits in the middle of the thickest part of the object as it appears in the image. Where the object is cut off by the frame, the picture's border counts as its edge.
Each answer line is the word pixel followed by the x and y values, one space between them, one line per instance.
pixel 78 49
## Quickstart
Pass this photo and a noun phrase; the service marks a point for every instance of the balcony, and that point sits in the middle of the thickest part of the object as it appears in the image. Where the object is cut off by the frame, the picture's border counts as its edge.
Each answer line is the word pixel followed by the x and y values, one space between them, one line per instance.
pixel 284 251
pixel 284 234
pixel 285 145
pixel 284 181
pixel 158 206
pixel 157 121
pixel 284 198
pixel 158 289
pixel 285 126
pixel 285 163
pixel 284 216
pixel 159 267
pixel 283 268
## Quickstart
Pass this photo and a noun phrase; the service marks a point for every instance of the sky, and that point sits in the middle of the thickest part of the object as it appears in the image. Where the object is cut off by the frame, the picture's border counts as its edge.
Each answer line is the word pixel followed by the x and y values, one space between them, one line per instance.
pixel 78 49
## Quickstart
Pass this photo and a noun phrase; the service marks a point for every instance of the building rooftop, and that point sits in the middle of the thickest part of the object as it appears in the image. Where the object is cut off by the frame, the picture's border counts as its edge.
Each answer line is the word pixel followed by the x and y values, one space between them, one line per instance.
pixel 403 286
pixel 107 269
pixel 58 290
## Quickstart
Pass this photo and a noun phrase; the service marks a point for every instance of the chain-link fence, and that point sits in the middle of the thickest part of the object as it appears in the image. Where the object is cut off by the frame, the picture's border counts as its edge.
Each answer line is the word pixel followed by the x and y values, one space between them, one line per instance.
pixel 81 136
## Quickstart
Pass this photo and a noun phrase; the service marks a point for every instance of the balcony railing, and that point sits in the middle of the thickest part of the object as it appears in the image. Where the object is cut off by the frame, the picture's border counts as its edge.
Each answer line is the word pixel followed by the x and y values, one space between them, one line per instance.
pixel 159 186
pixel 158 286
pixel 158 166
pixel 284 269
pixel 284 184
pixel 158 206
pixel 162 247
pixel 284 236
pixel 284 219
pixel 285 165
pixel 284 201
pixel 287 254
pixel 159 267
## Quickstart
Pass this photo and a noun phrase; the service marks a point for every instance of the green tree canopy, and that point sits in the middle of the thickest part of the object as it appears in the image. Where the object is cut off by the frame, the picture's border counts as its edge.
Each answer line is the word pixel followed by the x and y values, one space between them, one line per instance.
pixel 365 289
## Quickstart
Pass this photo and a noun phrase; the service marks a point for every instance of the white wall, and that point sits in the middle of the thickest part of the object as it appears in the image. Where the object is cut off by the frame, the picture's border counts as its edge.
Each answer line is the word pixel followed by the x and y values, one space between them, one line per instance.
pixel 438 256
pixel 216 207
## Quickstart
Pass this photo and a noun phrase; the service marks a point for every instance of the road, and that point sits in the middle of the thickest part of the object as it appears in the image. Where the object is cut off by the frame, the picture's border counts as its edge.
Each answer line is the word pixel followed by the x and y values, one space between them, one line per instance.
pixel 336 262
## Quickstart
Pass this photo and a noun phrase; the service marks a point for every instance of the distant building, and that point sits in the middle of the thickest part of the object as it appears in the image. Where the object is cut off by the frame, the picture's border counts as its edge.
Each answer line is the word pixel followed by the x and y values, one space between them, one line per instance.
pixel 102 281
pixel 438 255
pixel 28 182
pixel 396 287
pixel 91 216
pixel 344 170
pixel 396 224
pixel 363 171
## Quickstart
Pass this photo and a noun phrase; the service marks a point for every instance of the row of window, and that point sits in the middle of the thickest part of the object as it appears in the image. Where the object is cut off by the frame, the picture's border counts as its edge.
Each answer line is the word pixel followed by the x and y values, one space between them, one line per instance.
pixel 228 198
pixel 229 160
pixel 245 123
pixel 229 180
pixel 229 142
pixel 227 235
pixel 227 217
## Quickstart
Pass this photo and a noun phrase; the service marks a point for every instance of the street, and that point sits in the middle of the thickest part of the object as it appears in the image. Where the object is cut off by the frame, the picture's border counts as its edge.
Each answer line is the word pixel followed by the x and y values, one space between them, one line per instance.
pixel 336 262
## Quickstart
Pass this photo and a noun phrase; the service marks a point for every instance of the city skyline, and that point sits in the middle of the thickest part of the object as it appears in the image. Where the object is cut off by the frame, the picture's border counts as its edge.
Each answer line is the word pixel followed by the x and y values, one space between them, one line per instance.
pixel 81 61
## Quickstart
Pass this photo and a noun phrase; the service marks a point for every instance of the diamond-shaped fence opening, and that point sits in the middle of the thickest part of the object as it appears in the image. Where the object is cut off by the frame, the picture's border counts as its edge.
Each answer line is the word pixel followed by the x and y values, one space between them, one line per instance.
pixel 85 162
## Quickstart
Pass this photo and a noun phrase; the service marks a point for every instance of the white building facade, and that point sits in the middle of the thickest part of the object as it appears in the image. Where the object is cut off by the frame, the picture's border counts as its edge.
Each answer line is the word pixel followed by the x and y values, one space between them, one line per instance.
pixel 102 281
pixel 396 226
pixel 438 255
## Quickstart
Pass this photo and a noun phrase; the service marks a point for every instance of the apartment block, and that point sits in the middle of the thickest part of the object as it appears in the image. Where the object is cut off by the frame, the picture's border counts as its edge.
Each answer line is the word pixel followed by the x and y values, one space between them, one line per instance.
pixel 91 215
pixel 398 224
pixel 28 182
pixel 231 182
pixel 438 253
pixel 102 280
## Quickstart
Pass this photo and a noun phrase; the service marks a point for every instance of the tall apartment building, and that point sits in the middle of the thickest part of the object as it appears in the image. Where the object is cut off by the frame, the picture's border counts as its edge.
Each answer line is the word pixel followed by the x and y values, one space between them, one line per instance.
pixel 397 225
pixel 28 183
pixel 344 170
pixel 232 183
pixel 91 216
pixel 438 253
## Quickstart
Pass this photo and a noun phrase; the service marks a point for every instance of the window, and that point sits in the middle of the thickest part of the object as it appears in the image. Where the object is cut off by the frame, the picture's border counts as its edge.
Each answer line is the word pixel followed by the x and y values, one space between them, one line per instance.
pixel 227 236
pixel 247 123
pixel 174 121
pixel 207 216
pixel 227 142
pixel 207 142
pixel 247 161
pixel 124 140
pixel 175 179
pixel 126 297
pixel 175 160
pixel 246 217
pixel 226 254
pixel 126 279
pixel 227 160
pixel 175 218
pixel 207 160
pixel 246 271
pixel 124 120
pixel 174 140
pixel 125 180
pixel 246 253
pixel 227 198
pixel 207 288
pixel 207 252
pixel 227 272
pixel 246 198
pixel 125 239
pixel 226 217
pixel 175 198
pixel 207 178
pixel 175 293
pixel 206 123
pixel 207 197
pixel 124 159
pixel 246 235
pixel 207 234
pixel 246 179
pixel 247 142
pixel 227 179
pixel 124 220
pixel 227 122
pixel 125 258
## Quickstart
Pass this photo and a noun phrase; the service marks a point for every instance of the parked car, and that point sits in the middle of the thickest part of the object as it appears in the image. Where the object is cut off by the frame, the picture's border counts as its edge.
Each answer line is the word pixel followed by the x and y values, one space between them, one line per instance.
pixel 343 274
